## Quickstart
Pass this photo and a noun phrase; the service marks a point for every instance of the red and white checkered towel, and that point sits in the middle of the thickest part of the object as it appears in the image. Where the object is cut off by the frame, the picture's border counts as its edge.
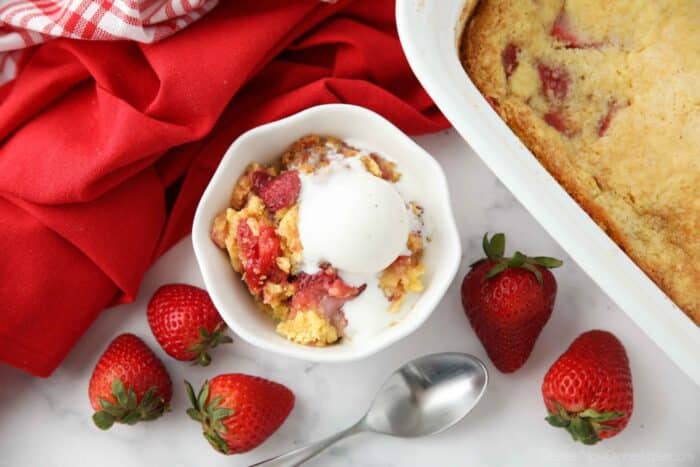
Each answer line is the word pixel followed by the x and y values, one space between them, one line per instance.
pixel 24 23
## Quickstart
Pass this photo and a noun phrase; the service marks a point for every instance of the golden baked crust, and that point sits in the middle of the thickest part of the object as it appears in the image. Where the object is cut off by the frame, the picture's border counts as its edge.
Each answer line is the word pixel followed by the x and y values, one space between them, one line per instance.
pixel 606 95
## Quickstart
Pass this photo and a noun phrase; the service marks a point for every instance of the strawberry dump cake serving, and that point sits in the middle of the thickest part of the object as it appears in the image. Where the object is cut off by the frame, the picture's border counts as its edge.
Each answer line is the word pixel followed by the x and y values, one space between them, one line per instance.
pixel 325 241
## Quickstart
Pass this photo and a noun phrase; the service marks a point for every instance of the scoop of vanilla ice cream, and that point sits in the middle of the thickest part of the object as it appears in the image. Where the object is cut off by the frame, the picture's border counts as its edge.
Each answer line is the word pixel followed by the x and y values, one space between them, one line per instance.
pixel 351 219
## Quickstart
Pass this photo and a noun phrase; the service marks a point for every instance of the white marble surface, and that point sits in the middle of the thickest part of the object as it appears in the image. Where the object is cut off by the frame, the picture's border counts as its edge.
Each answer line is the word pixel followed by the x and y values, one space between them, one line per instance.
pixel 46 423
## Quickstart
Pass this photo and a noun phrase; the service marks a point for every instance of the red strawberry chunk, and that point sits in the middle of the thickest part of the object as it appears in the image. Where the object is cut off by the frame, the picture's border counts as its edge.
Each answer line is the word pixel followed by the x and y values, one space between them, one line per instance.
pixel 260 179
pixel 277 192
pixel 325 293
pixel 509 58
pixel 604 123
pixel 268 249
pixel 259 254
pixel 555 81
pixel 557 120
pixel 562 30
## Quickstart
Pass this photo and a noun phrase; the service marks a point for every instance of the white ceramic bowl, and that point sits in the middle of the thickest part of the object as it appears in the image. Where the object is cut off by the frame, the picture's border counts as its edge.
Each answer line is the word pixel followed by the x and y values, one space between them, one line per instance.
pixel 429 33
pixel 266 143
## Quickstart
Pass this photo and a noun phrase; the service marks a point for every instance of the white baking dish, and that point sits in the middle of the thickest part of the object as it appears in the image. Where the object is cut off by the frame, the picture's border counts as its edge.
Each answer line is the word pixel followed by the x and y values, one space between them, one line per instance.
pixel 429 32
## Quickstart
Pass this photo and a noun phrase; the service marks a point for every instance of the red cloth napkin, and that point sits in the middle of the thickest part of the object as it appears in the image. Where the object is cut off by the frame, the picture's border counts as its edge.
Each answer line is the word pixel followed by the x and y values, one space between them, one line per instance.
pixel 106 147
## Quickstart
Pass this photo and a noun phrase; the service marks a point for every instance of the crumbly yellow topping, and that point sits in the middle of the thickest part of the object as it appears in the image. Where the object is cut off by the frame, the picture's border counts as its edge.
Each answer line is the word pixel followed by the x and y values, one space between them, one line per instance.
pixel 288 231
pixel 308 328
pixel 405 274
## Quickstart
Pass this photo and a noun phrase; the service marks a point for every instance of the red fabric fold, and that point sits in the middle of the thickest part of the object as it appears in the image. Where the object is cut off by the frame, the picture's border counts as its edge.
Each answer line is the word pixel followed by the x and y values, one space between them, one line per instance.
pixel 106 147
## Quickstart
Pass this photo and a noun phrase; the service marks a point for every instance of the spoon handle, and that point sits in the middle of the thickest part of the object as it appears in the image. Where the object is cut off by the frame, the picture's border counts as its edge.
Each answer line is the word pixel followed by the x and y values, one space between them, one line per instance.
pixel 301 455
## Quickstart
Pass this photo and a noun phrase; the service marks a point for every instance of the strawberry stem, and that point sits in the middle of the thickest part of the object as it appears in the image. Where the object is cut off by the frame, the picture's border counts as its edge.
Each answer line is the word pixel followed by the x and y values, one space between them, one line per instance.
pixel 494 248
pixel 210 415
pixel 208 340
pixel 583 426
pixel 128 409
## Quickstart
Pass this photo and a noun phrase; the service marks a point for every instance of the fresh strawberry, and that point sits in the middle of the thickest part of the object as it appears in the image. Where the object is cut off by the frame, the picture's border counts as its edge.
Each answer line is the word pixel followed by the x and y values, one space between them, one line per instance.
pixel 277 192
pixel 588 390
pixel 185 322
pixel 129 384
pixel 238 412
pixel 508 301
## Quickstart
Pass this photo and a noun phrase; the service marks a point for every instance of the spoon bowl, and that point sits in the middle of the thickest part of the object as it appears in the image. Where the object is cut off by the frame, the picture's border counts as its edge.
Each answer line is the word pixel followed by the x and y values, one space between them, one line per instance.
pixel 423 397
pixel 427 395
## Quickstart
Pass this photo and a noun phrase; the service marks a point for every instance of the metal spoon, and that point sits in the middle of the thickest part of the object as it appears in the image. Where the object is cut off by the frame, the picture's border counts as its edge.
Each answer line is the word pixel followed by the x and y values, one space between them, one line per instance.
pixel 423 397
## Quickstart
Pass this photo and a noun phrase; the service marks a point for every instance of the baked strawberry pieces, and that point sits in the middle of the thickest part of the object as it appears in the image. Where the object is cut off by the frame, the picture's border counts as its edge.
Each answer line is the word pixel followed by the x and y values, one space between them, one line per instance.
pixel 259 253
pixel 325 293
pixel 509 58
pixel 556 118
pixel 277 192
pixel 563 31
pixel 613 108
pixel 555 81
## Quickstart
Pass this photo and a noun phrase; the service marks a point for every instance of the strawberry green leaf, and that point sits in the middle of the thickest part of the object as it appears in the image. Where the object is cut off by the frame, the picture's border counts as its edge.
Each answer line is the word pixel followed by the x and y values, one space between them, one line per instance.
pixel 132 418
pixel 148 399
pixel 103 420
pixel 222 339
pixel 557 421
pixel 207 341
pixel 131 399
pixel 486 245
pixel 127 408
pixel 190 395
pixel 546 262
pixel 497 269
pixel 203 395
pixel 590 441
pixel 495 251
pixel 600 417
pixel 106 405
pixel 498 245
pixel 217 442
pixel 210 415
pixel 494 248
pixel 194 414
pixel 589 413
pixel 517 260
pixel 580 429
pixel 214 403
pixel 119 392
pixel 221 413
